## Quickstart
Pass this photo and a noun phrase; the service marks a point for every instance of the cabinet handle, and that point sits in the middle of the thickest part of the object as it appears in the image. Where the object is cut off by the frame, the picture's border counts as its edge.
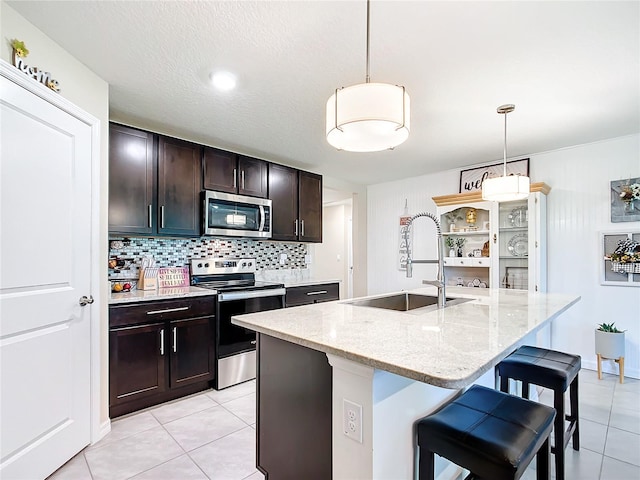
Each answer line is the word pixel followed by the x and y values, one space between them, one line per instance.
pixel 150 214
pixel 235 180
pixel 162 216
pixel 242 175
pixel 296 228
pixel 495 238
pixel 177 309
pixel 175 339
pixel 162 341
pixel 253 342
pixel 319 292
pixel 302 228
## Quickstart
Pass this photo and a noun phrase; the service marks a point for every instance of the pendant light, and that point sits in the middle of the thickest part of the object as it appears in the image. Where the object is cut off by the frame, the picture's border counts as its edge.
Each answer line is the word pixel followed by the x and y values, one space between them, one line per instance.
pixel 368 117
pixel 507 187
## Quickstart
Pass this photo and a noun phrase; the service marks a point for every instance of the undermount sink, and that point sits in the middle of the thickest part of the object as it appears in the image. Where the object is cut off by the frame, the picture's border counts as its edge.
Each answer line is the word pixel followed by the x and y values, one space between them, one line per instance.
pixel 404 302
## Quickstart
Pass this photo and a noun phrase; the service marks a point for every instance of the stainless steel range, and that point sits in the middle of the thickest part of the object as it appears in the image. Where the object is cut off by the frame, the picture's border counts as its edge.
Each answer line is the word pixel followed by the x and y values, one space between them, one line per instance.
pixel 238 293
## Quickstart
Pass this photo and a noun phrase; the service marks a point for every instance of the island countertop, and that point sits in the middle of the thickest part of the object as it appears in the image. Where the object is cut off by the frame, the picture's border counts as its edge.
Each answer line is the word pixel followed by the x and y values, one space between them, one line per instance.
pixel 448 347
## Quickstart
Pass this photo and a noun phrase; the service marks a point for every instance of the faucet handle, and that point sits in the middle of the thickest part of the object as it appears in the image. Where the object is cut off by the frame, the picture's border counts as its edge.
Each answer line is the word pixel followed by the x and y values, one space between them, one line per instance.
pixel 435 283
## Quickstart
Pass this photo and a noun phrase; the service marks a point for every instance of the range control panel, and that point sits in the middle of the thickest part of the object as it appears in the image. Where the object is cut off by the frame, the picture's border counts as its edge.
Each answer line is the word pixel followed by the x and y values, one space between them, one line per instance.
pixel 212 266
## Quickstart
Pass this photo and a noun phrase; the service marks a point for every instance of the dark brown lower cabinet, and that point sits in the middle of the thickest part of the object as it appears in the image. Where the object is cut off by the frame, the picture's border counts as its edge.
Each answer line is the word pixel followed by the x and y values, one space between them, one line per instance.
pixel 294 389
pixel 137 363
pixel 192 352
pixel 153 362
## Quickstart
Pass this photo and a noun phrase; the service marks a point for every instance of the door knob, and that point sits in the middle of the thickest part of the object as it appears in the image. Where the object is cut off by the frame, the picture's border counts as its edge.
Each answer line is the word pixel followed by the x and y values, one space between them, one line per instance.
pixel 84 300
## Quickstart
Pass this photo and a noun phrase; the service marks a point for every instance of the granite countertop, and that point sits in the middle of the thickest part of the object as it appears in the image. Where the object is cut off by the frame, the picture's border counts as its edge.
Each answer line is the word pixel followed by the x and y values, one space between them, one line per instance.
pixel 159 294
pixel 448 347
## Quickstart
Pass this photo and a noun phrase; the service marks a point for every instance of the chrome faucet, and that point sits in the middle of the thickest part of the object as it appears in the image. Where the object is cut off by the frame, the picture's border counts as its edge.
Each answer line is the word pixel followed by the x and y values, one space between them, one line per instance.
pixel 439 282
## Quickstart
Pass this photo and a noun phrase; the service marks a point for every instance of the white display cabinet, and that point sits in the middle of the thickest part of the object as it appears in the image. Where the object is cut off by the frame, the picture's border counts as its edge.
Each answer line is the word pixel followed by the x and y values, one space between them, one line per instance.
pixel 502 245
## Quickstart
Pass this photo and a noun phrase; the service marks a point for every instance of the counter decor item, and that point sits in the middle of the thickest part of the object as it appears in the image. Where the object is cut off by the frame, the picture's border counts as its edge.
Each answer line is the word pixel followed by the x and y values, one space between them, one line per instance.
pixel 625 200
pixel 609 344
pixel 173 277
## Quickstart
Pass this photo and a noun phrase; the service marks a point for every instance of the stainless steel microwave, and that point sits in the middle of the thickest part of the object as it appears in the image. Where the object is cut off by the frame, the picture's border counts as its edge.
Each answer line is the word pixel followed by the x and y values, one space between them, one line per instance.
pixel 231 215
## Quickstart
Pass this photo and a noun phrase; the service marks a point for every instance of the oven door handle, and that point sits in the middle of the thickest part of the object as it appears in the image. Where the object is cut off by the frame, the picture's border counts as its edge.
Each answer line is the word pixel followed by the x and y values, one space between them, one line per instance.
pixel 230 296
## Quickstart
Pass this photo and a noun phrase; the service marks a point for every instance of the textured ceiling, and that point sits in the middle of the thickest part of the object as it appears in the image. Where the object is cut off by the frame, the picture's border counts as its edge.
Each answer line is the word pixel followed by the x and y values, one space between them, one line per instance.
pixel 572 69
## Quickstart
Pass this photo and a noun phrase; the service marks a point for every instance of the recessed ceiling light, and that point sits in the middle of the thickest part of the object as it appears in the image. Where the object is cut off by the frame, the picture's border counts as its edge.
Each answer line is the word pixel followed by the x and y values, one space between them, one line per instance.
pixel 224 81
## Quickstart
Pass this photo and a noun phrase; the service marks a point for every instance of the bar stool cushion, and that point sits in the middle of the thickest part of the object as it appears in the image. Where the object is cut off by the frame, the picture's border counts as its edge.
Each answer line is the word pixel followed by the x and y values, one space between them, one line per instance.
pixel 547 368
pixel 490 433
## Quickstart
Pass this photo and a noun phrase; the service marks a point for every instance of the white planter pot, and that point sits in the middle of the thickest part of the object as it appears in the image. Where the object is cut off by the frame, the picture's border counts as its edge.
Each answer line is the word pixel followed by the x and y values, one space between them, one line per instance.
pixel 610 345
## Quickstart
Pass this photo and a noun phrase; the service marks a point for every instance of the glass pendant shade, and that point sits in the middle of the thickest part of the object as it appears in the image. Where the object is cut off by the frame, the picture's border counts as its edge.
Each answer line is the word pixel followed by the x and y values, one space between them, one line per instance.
pixel 505 189
pixel 368 117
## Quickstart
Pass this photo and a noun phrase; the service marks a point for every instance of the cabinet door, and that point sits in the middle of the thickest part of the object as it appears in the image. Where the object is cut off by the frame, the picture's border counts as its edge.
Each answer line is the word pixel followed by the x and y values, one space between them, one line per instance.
pixel 131 181
pixel 192 351
pixel 136 362
pixel 179 186
pixel 310 205
pixel 252 177
pixel 220 170
pixel 283 191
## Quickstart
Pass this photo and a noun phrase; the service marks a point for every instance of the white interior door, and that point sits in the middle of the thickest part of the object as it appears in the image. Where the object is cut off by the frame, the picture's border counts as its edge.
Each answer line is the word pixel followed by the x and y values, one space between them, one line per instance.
pixel 45 235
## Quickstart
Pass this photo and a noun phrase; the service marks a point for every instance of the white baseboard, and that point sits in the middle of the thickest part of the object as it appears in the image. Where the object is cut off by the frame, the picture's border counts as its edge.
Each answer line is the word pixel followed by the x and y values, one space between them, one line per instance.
pixel 105 428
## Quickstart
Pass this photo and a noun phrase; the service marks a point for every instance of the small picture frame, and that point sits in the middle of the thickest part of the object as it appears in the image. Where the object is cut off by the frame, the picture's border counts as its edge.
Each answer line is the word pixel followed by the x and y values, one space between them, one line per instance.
pixel 624 207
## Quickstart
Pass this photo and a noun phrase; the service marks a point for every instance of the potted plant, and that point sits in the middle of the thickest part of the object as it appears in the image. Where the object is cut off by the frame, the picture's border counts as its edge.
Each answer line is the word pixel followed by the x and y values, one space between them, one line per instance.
pixel 610 344
pixel 452 217
pixel 450 242
pixel 460 243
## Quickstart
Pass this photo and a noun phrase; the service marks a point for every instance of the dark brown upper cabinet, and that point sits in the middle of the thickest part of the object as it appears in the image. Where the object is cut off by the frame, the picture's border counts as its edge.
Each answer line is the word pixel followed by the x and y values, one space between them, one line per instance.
pixel 154 184
pixel 179 180
pixel 132 205
pixel 297 204
pixel 233 173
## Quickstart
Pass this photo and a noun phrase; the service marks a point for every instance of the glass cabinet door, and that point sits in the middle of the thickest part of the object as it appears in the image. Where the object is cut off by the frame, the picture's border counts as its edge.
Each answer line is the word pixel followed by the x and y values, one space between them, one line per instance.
pixel 513 249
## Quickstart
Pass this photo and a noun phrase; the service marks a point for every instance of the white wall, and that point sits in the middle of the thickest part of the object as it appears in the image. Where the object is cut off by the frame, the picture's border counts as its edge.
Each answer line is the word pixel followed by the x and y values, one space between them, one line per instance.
pixel 578 208
pixel 85 89
pixel 331 259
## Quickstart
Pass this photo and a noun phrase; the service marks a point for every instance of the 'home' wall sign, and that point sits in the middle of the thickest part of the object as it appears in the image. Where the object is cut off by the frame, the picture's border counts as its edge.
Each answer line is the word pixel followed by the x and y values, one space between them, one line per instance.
pixel 20 52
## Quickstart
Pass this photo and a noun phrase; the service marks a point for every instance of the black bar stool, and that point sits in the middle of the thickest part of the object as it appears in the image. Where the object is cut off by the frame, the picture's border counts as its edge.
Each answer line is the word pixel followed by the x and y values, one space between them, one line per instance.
pixel 557 371
pixel 492 434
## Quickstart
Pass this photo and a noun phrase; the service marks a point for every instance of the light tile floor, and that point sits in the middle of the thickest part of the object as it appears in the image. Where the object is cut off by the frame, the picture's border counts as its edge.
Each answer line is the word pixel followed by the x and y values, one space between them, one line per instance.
pixel 211 435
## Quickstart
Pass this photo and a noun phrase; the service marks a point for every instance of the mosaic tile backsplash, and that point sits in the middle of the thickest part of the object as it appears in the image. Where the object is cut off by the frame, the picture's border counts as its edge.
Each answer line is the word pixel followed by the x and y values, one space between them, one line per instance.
pixel 127 253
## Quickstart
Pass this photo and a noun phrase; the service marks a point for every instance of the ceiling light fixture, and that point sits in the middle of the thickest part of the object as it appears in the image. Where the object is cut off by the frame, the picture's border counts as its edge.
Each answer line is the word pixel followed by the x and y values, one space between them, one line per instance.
pixel 507 187
pixel 368 117
pixel 224 81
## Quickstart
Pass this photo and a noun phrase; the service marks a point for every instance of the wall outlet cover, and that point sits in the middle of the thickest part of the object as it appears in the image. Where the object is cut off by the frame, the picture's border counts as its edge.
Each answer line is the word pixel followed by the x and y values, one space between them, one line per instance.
pixel 352 420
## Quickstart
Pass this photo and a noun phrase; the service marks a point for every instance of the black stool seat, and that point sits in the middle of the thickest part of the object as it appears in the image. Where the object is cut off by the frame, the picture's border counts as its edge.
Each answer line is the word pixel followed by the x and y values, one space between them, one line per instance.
pixel 492 434
pixel 547 368
pixel 557 371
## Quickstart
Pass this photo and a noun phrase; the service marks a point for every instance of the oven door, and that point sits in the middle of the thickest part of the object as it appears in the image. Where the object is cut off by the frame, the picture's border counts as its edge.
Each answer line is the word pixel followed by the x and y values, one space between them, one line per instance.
pixel 236 215
pixel 233 339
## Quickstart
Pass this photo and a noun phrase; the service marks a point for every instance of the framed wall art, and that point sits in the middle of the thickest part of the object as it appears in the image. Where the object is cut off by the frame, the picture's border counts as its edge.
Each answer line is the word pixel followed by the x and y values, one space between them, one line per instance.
pixel 471 179
pixel 619 263
pixel 625 200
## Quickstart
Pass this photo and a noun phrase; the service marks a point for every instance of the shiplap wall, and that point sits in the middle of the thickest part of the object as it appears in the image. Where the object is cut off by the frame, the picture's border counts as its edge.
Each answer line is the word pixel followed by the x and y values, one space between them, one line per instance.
pixel 578 209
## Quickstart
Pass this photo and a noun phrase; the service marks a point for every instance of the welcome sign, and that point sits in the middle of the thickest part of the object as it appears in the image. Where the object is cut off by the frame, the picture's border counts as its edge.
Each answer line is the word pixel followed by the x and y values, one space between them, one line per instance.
pixel 472 179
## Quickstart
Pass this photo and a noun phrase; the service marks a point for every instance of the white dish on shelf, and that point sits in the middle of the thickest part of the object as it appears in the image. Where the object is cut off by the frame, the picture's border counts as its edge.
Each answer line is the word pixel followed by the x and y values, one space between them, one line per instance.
pixel 518 245
pixel 518 217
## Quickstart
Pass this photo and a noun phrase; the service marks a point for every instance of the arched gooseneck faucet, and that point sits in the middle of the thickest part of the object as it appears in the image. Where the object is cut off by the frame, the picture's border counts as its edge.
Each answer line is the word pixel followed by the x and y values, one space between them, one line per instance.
pixel 439 282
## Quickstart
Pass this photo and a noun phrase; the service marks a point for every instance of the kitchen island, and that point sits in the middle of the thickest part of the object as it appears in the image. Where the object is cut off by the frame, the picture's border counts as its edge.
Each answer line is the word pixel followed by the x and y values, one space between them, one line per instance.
pixel 397 366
